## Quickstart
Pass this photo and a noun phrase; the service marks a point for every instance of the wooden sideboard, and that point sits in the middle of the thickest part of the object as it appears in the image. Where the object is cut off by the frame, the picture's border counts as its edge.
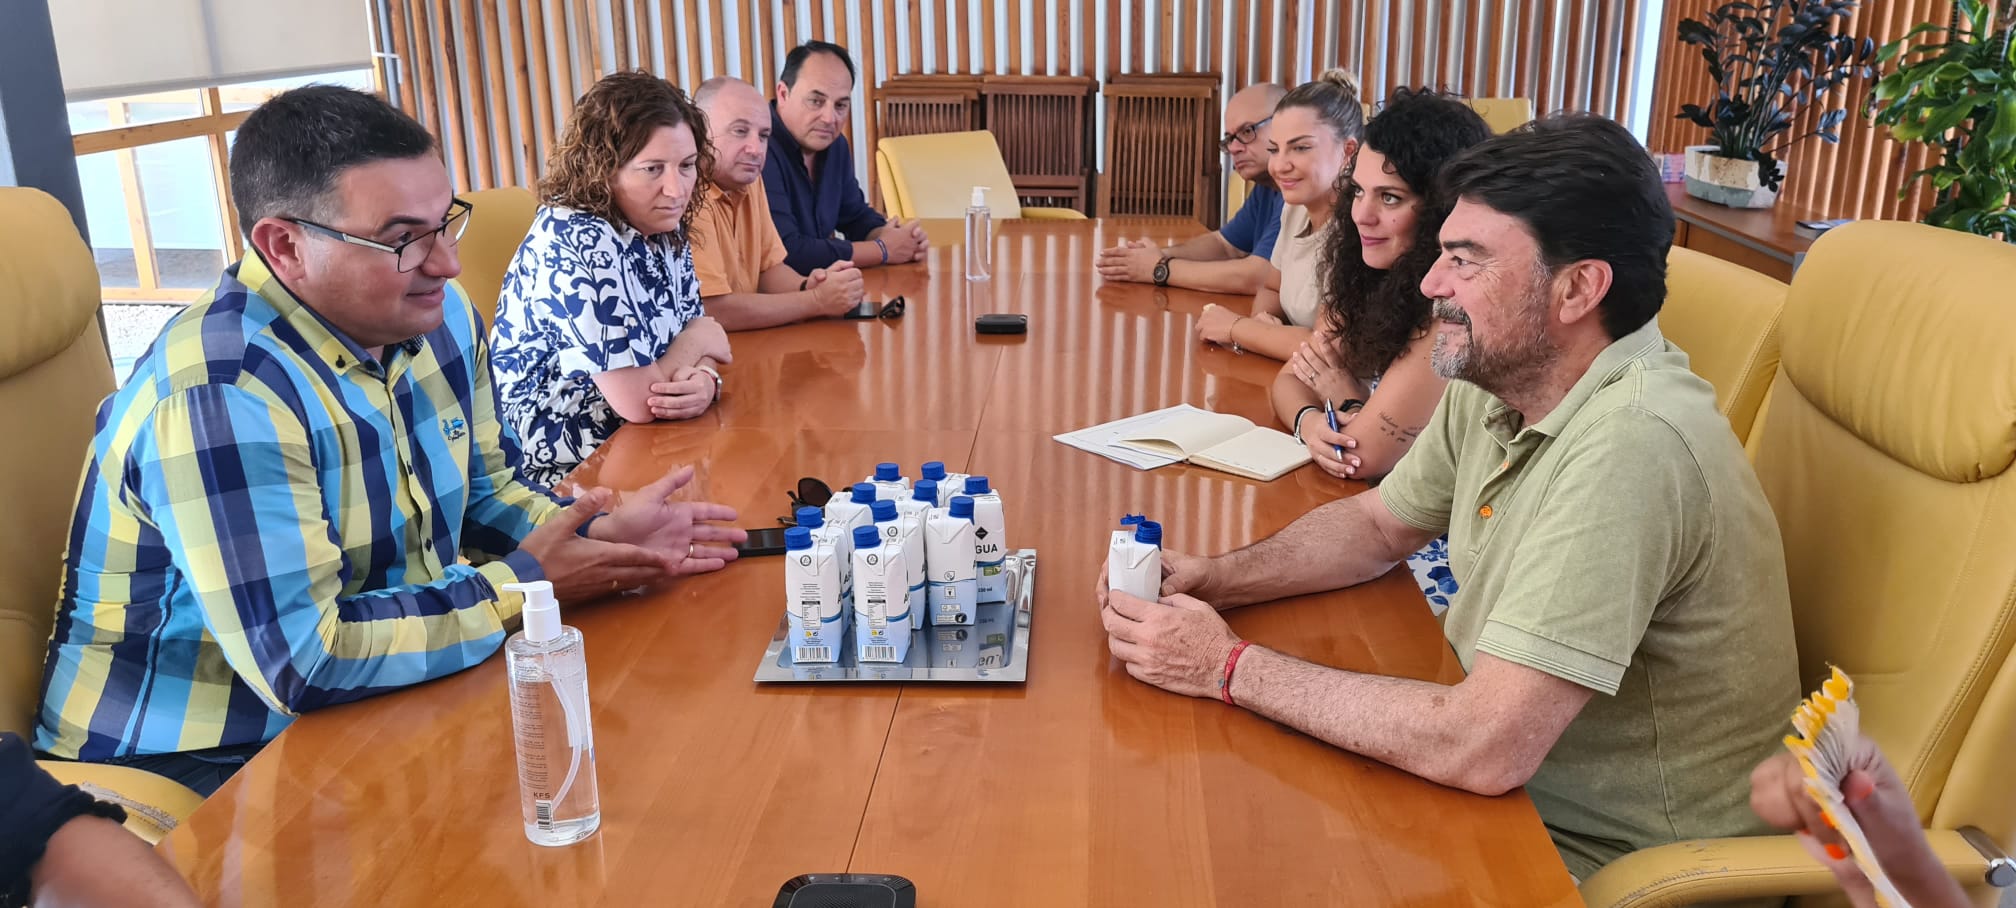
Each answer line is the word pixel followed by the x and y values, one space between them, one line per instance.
pixel 1769 240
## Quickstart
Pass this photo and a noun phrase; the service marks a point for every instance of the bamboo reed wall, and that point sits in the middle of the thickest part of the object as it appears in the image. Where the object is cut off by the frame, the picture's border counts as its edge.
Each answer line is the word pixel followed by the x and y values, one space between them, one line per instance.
pixel 496 79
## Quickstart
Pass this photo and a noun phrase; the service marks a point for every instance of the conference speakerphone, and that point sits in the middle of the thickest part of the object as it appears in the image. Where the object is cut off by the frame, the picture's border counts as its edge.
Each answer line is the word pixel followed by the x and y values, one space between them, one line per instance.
pixel 846 890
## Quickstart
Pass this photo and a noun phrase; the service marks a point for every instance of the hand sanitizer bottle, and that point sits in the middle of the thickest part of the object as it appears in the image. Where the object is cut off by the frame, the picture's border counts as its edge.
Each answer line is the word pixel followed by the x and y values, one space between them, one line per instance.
pixel 842 541
pixel 952 589
pixel 979 237
pixel 1134 566
pixel 889 482
pixel 990 539
pixel 949 484
pixel 548 673
pixel 812 597
pixel 881 624
pixel 916 511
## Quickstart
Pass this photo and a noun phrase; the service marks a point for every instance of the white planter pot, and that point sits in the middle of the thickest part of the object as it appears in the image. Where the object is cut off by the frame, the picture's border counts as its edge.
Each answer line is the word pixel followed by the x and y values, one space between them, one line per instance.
pixel 1725 181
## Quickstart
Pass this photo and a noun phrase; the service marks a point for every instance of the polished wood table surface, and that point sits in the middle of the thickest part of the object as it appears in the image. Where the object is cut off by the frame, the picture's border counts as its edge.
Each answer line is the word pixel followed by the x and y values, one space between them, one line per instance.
pixel 1080 787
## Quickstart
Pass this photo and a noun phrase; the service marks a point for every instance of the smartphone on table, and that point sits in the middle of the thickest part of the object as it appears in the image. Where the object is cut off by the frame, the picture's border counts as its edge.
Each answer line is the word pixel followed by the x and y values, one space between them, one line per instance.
pixel 765 541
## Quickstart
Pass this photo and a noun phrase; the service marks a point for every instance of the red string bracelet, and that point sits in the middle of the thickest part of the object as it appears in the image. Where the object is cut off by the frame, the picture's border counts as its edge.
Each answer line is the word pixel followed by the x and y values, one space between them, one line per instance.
pixel 1231 662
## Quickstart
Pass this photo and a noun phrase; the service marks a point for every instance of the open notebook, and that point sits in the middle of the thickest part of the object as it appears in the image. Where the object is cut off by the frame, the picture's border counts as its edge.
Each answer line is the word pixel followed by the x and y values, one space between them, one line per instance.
pixel 1184 433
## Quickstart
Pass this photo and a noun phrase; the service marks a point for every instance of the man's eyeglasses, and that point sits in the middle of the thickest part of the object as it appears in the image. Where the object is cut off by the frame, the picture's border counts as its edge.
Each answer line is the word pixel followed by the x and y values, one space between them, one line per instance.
pixel 412 252
pixel 1244 135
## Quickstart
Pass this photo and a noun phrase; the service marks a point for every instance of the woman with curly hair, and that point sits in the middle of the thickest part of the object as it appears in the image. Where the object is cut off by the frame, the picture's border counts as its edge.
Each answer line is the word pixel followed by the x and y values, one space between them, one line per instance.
pixel 1368 358
pixel 600 322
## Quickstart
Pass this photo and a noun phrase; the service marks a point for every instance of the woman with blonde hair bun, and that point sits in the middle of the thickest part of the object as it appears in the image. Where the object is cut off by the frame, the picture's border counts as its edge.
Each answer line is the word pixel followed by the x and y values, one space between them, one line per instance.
pixel 1315 130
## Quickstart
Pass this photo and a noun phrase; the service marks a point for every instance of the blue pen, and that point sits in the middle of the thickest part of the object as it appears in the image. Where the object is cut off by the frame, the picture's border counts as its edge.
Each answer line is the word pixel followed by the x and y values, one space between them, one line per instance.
pixel 1330 413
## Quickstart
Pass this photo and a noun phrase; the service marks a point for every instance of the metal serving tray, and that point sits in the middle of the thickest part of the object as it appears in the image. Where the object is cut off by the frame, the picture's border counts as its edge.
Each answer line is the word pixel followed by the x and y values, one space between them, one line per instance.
pixel 995 648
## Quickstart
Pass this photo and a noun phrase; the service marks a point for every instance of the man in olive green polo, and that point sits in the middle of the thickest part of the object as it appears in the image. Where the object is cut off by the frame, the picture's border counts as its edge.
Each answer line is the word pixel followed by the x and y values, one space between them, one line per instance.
pixel 1623 614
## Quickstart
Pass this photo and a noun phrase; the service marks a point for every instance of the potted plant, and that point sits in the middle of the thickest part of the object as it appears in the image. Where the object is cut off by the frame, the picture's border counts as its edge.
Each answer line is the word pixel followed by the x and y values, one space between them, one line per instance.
pixel 1768 59
pixel 1959 95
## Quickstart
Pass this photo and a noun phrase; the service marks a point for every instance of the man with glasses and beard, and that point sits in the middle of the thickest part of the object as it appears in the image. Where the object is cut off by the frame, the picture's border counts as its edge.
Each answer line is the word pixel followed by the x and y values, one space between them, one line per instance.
pixel 276 506
pixel 737 254
pixel 1234 258
pixel 1623 620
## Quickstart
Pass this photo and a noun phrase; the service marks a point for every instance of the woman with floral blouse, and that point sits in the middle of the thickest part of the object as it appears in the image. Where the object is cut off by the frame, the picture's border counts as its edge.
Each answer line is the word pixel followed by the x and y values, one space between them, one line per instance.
pixel 599 322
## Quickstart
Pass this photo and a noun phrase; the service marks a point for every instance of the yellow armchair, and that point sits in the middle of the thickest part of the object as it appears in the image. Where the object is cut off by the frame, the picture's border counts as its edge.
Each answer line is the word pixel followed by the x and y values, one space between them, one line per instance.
pixel 933 175
pixel 54 370
pixel 1886 454
pixel 1503 114
pixel 498 222
pixel 1726 317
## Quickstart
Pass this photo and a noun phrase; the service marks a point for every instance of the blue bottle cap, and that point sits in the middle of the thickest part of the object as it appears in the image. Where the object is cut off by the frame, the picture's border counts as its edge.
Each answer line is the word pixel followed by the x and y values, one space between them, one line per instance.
pixel 925 490
pixel 884 510
pixel 797 538
pixel 888 472
pixel 1149 533
pixel 977 485
pixel 1132 520
pixel 864 493
pixel 867 537
pixel 934 469
pixel 962 506
pixel 811 518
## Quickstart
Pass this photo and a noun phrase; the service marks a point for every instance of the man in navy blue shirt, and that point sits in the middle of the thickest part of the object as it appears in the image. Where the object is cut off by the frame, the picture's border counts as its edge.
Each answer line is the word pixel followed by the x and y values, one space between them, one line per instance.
pixel 809 175
pixel 61 846
pixel 1235 258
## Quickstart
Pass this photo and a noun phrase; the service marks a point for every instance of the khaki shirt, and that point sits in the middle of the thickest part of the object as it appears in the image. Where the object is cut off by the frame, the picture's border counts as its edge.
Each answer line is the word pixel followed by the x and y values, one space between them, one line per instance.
pixel 734 241
pixel 1298 251
pixel 1624 544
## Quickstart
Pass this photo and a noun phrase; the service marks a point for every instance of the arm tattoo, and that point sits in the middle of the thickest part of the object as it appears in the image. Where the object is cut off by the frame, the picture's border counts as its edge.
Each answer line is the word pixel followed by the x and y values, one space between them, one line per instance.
pixel 1395 430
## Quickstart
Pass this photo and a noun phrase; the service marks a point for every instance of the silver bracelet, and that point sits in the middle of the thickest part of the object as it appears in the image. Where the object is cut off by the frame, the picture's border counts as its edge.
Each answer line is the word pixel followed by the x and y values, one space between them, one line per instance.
pixel 1298 422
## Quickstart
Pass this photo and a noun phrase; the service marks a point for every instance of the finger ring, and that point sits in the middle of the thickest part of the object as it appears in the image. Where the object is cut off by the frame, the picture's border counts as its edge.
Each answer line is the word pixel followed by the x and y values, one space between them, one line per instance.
pixel 689 550
pixel 614 585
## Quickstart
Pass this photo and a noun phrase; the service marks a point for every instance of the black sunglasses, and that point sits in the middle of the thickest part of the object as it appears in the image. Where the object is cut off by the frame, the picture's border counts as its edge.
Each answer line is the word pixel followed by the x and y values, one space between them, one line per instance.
pixel 891 309
pixel 811 493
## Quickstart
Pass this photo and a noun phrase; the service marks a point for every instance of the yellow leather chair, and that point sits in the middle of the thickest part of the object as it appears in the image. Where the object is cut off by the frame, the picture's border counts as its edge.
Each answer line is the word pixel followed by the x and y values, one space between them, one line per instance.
pixel 933 175
pixel 1503 114
pixel 1886 454
pixel 53 372
pixel 498 222
pixel 1726 317
pixel 1236 191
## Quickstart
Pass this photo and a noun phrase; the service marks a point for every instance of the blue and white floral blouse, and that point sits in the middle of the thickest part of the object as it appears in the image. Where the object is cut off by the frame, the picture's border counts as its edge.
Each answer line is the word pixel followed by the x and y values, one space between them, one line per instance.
pixel 582 297
pixel 1430 566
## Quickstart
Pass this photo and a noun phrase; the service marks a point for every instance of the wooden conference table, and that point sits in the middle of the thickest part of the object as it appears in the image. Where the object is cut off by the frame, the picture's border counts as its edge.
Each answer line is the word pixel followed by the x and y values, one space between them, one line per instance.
pixel 1080 787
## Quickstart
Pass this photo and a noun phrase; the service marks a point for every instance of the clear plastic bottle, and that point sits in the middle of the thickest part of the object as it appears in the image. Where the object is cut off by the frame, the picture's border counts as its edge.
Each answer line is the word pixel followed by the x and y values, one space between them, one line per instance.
pixel 979 237
pixel 548 676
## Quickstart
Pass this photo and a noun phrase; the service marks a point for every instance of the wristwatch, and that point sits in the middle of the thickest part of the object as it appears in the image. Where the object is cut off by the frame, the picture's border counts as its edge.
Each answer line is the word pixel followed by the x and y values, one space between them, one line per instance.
pixel 1162 271
pixel 717 379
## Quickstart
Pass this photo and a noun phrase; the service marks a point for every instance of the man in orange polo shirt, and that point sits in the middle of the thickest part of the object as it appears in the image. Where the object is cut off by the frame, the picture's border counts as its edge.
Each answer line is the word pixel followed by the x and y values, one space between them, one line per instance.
pixel 737 254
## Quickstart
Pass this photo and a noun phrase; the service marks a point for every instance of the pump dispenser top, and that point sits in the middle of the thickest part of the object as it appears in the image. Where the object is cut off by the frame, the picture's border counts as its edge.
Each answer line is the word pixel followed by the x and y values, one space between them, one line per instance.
pixel 542 611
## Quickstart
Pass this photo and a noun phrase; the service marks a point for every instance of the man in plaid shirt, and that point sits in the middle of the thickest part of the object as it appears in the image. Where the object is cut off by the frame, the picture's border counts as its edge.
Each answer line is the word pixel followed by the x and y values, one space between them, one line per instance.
pixel 274 509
